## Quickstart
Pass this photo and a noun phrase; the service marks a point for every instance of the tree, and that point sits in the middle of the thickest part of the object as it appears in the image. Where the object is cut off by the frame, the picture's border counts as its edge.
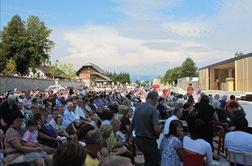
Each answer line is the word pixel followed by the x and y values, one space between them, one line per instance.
pixel 10 67
pixel 121 77
pixel 188 68
pixel 39 44
pixel 172 75
pixel 2 57
pixel 13 44
pixel 68 70
pixel 54 70
pixel 238 53
pixel 26 42
pixel 138 82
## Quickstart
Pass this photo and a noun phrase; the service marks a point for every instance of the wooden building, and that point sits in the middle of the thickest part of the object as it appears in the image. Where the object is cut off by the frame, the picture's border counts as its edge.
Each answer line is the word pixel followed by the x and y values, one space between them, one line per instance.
pixel 233 74
pixel 92 73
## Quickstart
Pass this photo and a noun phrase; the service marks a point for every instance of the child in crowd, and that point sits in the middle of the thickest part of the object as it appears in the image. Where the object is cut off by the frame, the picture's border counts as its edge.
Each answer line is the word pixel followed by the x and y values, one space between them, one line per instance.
pixel 61 129
pixel 171 146
pixel 30 137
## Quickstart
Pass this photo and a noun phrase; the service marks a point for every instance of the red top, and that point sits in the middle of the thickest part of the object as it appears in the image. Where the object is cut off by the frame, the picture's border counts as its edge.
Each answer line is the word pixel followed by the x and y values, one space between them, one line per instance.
pixel 192 159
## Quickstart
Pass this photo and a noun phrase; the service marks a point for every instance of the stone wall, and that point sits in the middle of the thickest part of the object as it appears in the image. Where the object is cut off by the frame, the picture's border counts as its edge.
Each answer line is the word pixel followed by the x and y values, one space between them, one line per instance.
pixel 24 84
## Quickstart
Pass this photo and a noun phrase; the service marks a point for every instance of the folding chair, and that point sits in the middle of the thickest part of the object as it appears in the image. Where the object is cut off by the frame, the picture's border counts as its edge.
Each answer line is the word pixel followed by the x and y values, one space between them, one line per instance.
pixel 191 158
pixel 239 158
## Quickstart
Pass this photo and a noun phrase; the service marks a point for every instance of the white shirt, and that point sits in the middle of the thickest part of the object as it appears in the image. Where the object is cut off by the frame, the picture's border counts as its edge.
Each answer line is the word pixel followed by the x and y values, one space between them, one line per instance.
pixel 106 122
pixel 53 123
pixel 84 92
pixel 167 124
pixel 79 111
pixel 199 146
pixel 239 141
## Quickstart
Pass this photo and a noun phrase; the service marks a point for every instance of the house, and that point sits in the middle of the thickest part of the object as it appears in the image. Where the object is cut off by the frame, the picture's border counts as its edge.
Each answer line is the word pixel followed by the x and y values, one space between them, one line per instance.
pixel 91 72
pixel 231 75
pixel 47 72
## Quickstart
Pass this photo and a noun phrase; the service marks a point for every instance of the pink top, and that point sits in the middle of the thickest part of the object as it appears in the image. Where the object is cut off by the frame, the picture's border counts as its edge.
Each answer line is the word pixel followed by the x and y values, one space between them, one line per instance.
pixel 31 137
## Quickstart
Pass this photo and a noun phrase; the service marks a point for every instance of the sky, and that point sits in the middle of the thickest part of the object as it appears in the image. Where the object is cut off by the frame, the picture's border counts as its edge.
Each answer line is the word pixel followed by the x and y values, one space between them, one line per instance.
pixel 142 37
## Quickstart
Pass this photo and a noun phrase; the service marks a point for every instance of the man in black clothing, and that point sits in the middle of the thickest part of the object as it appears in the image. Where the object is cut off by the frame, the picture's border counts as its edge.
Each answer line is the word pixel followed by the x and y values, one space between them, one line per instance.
pixel 9 109
pixel 161 108
pixel 146 125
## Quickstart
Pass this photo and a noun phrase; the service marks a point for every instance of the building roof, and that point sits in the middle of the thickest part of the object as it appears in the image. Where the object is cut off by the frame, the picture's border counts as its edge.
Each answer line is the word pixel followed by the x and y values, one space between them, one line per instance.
pixel 98 69
pixel 228 61
pixel 106 78
pixel 47 71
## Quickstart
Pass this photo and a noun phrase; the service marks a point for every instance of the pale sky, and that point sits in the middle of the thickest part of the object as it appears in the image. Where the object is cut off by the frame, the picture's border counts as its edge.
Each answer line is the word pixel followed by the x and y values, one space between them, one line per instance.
pixel 143 37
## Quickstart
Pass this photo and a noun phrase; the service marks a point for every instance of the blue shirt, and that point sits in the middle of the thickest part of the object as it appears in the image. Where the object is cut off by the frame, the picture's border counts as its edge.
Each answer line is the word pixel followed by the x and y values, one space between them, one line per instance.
pixel 69 117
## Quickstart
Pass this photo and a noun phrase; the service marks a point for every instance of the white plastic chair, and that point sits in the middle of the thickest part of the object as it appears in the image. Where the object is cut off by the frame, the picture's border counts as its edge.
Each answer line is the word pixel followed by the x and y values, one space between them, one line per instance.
pixel 239 158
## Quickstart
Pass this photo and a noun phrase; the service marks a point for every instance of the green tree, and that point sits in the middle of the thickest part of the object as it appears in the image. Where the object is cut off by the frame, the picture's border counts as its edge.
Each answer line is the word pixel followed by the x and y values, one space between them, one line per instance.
pixel 238 53
pixel 54 70
pixel 10 67
pixel 138 82
pixel 121 77
pixel 2 57
pixel 172 75
pixel 13 44
pixel 39 44
pixel 27 43
pixel 188 68
pixel 68 70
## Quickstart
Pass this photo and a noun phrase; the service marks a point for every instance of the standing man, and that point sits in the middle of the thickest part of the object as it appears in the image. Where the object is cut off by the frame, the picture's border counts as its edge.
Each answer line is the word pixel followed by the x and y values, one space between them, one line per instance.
pixel 147 129
pixel 189 90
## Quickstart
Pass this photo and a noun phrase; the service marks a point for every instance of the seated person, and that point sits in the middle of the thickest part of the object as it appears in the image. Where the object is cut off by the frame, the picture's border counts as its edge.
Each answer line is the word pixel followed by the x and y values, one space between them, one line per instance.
pixel 69 154
pixel 236 112
pixel 95 152
pixel 54 118
pixel 187 108
pixel 110 139
pixel 125 121
pixel 16 152
pixel 60 128
pixel 30 137
pixel 120 137
pixel 47 134
pixel 220 112
pixel 196 145
pixel 239 140
pixel 69 114
pixel 107 117
pixel 83 130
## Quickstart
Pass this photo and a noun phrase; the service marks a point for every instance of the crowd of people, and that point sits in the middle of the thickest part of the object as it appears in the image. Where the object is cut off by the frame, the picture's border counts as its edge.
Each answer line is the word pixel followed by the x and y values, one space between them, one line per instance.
pixel 81 126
